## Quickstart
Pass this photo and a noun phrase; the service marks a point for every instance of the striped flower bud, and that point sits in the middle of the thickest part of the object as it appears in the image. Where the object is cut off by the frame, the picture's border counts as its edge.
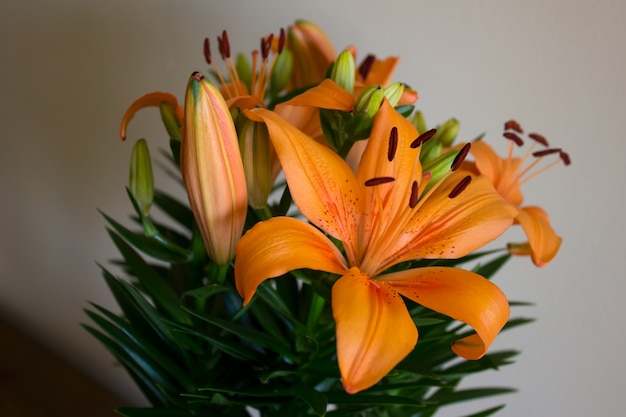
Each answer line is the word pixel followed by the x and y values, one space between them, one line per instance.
pixel 212 169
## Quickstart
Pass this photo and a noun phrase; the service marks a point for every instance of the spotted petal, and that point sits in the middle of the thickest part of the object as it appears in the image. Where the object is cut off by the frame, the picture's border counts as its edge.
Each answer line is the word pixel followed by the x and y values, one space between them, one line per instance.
pixel 321 183
pixel 279 245
pixel 374 329
pixel 460 294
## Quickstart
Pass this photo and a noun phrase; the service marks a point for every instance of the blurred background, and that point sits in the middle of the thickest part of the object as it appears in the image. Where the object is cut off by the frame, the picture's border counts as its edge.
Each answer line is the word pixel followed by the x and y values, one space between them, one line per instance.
pixel 69 69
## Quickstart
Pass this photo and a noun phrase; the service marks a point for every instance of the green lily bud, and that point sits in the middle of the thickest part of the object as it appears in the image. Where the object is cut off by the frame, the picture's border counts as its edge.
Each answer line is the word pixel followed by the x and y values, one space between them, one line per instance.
pixel 369 100
pixel 170 120
pixel 281 74
pixel 439 166
pixel 419 122
pixel 447 132
pixel 344 70
pixel 140 182
pixel 394 92
pixel 243 69
pixel 257 155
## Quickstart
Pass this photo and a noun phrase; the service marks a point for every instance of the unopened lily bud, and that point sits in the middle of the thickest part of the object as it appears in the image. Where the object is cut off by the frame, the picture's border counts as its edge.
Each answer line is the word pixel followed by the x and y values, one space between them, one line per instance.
pixel 212 169
pixel 170 120
pixel 394 92
pixel 419 122
pixel 440 166
pixel 447 132
pixel 344 70
pixel 281 73
pixel 519 249
pixel 243 69
pixel 140 182
pixel 312 53
pixel 370 100
pixel 257 156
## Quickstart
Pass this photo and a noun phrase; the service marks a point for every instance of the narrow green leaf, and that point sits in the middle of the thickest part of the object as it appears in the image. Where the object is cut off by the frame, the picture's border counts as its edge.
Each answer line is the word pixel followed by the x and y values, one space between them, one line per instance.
pixel 176 210
pixel 147 245
pixel 490 268
pixel 161 293
pixel 488 412
pixel 342 398
pixel 315 399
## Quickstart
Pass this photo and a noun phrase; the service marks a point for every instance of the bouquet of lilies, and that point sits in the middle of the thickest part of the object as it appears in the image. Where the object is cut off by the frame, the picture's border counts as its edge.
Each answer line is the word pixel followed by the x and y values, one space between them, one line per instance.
pixel 325 224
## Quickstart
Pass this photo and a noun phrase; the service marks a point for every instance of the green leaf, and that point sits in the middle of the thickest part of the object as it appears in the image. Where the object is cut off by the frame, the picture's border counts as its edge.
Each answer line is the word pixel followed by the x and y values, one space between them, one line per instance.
pixel 147 245
pixel 177 211
pixel 249 334
pixel 207 291
pixel 162 294
pixel 315 399
pixel 488 412
pixel 343 398
pixel 490 268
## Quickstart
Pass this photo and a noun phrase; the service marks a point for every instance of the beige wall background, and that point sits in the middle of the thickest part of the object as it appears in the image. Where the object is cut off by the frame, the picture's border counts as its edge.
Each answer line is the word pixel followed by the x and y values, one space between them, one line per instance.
pixel 68 69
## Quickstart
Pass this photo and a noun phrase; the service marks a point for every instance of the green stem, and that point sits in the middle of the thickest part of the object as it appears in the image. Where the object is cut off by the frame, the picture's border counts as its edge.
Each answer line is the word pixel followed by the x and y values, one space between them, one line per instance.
pixel 316 307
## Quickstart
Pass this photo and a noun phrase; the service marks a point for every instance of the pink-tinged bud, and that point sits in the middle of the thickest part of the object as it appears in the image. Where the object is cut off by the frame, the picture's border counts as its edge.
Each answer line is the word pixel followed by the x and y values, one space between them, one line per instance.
pixel 312 53
pixel 212 170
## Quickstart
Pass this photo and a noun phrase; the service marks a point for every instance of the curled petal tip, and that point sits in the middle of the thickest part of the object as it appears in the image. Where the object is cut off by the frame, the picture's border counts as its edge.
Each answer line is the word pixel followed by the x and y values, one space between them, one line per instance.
pixel 152 99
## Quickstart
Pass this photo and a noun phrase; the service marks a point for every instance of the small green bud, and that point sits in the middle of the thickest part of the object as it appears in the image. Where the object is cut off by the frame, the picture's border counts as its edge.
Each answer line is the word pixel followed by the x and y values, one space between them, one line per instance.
pixel 394 92
pixel 369 100
pixel 419 122
pixel 256 155
pixel 243 69
pixel 140 181
pixel 447 132
pixel 170 120
pixel 281 73
pixel 439 166
pixel 344 71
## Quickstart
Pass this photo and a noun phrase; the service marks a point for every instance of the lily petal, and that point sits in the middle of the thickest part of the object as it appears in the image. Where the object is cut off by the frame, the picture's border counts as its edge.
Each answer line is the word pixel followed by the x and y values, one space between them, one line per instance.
pixel 543 240
pixel 326 95
pixel 279 245
pixel 448 227
pixel 321 183
pixel 460 294
pixel 499 171
pixel 148 100
pixel 374 329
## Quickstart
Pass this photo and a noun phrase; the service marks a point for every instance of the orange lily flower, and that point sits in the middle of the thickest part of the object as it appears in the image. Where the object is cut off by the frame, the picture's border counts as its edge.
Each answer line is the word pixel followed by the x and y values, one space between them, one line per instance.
pixel 383 216
pixel 508 175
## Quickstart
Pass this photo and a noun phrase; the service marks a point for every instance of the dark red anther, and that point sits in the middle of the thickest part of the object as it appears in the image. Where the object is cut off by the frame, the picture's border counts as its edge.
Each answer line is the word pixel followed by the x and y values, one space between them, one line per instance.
pixel 462 185
pixel 207 50
pixel 197 76
pixel 366 66
pixel 378 180
pixel 281 40
pixel 460 157
pixel 547 152
pixel 513 125
pixel 538 138
pixel 224 45
pixel 414 195
pixel 423 138
pixel 393 143
pixel 266 44
pixel 512 136
pixel 565 158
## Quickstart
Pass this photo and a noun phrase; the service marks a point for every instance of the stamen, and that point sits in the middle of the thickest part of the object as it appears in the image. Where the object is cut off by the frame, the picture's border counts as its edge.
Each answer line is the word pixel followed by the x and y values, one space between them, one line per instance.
pixel 378 180
pixel 207 50
pixel 281 40
pixel 547 152
pixel 512 136
pixel 414 195
pixel 423 138
pixel 460 157
pixel 538 138
pixel 462 185
pixel 224 45
pixel 366 66
pixel 513 125
pixel 266 46
pixel 565 158
pixel 393 143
